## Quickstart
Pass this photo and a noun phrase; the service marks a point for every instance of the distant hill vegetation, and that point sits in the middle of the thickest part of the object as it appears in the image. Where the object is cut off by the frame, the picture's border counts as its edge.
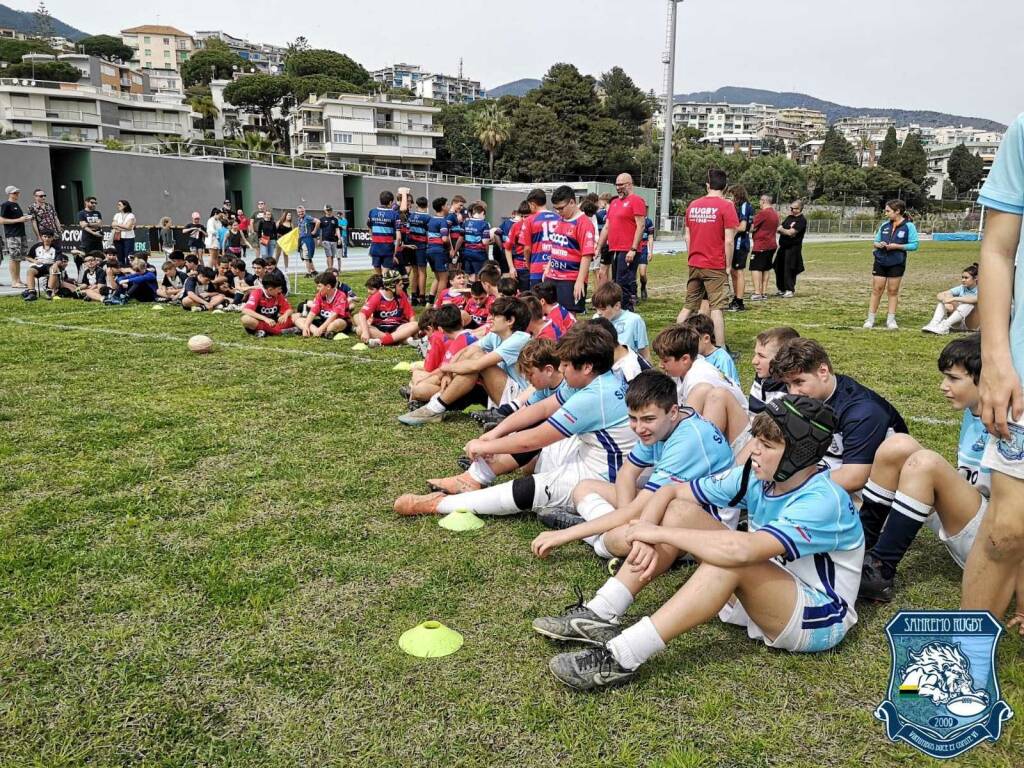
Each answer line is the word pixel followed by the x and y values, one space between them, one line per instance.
pixel 25 21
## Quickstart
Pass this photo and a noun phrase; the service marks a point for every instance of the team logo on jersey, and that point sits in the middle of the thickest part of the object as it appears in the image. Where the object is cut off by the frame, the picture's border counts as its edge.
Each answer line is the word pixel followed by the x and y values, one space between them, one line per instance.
pixel 943 695
pixel 1012 449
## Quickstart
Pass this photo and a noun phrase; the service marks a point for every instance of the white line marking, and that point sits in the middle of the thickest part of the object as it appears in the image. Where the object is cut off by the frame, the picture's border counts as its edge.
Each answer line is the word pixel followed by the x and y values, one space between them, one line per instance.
pixel 930 420
pixel 171 337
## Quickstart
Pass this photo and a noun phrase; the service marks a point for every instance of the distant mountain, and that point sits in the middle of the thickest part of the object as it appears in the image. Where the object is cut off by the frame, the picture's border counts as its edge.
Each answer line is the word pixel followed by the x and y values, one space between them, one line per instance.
pixel 515 88
pixel 25 21
pixel 835 111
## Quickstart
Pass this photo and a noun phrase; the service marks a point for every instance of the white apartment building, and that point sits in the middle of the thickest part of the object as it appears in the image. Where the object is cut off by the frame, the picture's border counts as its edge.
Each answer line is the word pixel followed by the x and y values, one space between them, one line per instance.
pixel 938 160
pixel 723 118
pixel 157 46
pixel 811 121
pixel 735 143
pixel 371 129
pixel 450 90
pixel 263 57
pixel 111 101
pixel 398 75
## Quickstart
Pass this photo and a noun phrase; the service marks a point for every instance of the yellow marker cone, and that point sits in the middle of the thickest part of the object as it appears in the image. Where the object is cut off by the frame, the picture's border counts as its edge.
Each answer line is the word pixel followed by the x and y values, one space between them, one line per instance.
pixel 360 347
pixel 461 520
pixel 430 640
pixel 158 306
pixel 402 366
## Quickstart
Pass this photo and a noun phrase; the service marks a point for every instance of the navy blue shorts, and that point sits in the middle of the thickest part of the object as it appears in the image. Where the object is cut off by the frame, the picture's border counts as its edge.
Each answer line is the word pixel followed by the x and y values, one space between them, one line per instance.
pixel 421 257
pixel 383 262
pixel 641 258
pixel 438 260
pixel 524 280
pixel 564 289
pixel 471 263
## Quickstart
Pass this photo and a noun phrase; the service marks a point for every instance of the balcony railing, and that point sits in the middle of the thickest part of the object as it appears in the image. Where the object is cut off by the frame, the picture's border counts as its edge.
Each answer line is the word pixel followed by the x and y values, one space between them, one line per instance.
pixel 79 88
pixel 63 115
pixel 161 126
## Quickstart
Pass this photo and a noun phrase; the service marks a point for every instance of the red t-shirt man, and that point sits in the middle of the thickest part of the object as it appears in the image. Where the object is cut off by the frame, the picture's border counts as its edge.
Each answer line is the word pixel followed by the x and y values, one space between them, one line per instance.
pixel 707 218
pixel 766 224
pixel 621 221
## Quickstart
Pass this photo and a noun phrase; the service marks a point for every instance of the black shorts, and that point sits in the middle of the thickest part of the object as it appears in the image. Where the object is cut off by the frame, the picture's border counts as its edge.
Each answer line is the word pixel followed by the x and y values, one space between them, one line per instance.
pixel 607 257
pixel 761 261
pixel 320 320
pixel 739 258
pixel 893 270
pixel 42 270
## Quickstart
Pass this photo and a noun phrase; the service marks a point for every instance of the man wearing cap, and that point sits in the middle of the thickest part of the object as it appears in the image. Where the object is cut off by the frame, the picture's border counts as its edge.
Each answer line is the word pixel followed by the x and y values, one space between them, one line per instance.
pixel 13 219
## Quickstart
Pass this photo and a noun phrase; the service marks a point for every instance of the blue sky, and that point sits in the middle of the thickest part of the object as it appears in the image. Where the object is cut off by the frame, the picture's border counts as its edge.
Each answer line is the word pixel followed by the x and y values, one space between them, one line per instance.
pixel 906 53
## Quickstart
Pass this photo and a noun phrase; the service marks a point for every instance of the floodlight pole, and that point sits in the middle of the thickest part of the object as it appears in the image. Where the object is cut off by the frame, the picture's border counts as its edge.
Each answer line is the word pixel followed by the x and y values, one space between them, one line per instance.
pixel 669 59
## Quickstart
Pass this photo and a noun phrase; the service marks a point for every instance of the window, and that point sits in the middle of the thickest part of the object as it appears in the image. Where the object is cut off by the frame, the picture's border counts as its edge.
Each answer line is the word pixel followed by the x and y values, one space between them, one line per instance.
pixel 167 54
pixel 167 41
pixel 146 40
pixel 338 137
pixel 148 52
pixel 387 141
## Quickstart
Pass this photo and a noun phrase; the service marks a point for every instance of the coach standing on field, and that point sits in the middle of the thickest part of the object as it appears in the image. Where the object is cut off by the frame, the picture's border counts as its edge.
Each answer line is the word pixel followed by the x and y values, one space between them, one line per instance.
pixel 789 259
pixel 623 229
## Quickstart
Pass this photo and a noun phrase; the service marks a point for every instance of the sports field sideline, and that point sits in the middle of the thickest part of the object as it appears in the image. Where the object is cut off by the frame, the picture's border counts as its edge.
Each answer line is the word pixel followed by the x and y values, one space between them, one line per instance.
pixel 201 566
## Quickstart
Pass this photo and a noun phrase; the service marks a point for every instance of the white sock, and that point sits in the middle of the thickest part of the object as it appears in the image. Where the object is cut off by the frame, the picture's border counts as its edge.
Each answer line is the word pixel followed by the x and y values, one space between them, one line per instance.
pixel 612 600
pixel 957 316
pixel 911 507
pixel 434 404
pixel 940 314
pixel 593 506
pixel 890 318
pixel 874 492
pixel 636 644
pixel 497 500
pixel 871 317
pixel 481 471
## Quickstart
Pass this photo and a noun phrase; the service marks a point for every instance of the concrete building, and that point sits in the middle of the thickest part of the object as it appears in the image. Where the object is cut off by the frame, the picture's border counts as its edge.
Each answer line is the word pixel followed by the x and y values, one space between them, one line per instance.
pixel 450 90
pixel 371 129
pixel 263 57
pixel 938 161
pixel 110 101
pixel 12 34
pixel 165 81
pixel 398 76
pixel 812 121
pixel 761 120
pixel 158 46
pixel 808 152
pixel 735 143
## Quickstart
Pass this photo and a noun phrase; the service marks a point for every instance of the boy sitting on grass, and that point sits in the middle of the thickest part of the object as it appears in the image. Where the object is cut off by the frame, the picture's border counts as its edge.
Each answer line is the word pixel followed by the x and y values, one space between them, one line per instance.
pixel 702 386
pixel 448 339
pixel 172 283
pixel 328 312
pixel 908 482
pixel 387 317
pixel 491 362
pixel 140 285
pixel 196 294
pixel 92 284
pixel 675 445
pixel 547 292
pixel 589 405
pixel 630 327
pixel 267 312
pixel 764 388
pixel 242 281
pixel 628 364
pixel 456 292
pixel 791 580
pixel 717 356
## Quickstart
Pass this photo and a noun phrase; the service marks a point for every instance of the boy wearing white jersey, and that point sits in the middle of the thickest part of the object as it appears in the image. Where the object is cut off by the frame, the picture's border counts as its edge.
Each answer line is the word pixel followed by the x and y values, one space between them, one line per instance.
pixel 589 410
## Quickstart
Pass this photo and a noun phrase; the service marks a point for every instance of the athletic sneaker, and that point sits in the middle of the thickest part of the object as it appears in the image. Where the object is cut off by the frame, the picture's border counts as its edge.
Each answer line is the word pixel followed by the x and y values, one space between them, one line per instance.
pixel 291 332
pixel 411 504
pixel 196 308
pixel 891 324
pixel 405 392
pixel 558 519
pixel 869 323
pixel 788 295
pixel 414 404
pixel 930 328
pixel 260 334
pixel 877 580
pixel 490 414
pixel 372 343
pixel 463 483
pixel 590 669
pixel 643 293
pixel 421 416
pixel 578 624
pixel 464 463
pixel 29 295
pixel 328 336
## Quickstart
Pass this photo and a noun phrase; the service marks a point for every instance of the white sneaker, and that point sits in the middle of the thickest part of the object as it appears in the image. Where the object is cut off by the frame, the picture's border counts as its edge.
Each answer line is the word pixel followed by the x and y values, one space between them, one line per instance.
pixel 929 329
pixel 941 330
pixel 788 295
pixel 869 323
pixel 374 343
pixel 891 324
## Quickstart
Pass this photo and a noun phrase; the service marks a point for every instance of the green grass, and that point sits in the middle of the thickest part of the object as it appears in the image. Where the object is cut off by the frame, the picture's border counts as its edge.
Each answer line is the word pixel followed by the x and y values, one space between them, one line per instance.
pixel 199 564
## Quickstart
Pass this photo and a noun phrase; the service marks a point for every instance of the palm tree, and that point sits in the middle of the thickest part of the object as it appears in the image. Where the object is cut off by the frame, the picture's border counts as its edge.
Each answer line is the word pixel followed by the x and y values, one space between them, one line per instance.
pixel 202 105
pixel 492 128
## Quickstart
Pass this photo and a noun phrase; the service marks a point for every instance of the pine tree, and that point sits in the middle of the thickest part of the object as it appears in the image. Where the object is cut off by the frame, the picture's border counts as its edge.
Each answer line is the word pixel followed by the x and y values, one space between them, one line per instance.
pixel 890 150
pixel 837 149
pixel 912 162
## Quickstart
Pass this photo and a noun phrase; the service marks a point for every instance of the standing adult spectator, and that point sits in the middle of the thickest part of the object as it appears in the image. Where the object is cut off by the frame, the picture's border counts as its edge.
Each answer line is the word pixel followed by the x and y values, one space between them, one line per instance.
pixel 624 226
pixel 265 233
pixel 196 234
pixel 741 250
pixel 328 228
pixel 13 219
pixel 343 226
pixel 284 225
pixel 245 226
pixel 711 225
pixel 213 238
pixel 123 225
pixel 895 238
pixel 90 221
pixel 764 229
pixel 257 217
pixel 44 218
pixel 308 227
pixel 789 259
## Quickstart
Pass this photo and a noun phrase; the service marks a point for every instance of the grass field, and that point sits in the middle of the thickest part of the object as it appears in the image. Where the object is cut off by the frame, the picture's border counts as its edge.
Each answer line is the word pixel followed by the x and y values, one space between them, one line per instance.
pixel 200 565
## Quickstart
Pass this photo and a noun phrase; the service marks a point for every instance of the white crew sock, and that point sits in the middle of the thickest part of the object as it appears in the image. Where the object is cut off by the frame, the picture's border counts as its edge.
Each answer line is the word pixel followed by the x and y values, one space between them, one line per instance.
pixel 940 314
pixel 890 318
pixel 612 600
pixel 636 644
pixel 481 471
pixel 497 500
pixel 434 404
pixel 957 316
pixel 593 506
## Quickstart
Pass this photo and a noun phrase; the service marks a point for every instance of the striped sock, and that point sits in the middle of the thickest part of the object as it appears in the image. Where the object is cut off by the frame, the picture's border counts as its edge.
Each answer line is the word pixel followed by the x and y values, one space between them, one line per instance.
pixel 905 520
pixel 874 510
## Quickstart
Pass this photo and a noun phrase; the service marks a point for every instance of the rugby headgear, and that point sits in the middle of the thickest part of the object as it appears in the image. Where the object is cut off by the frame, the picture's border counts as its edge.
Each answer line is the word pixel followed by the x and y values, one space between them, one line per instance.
pixel 807 426
pixel 391 278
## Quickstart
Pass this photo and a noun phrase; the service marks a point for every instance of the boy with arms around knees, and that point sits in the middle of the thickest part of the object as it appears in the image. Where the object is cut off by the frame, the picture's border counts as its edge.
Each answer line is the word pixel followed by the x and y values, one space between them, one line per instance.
pixel 267 312
pixel 329 311
pixel 717 356
pixel 630 326
pixel 766 345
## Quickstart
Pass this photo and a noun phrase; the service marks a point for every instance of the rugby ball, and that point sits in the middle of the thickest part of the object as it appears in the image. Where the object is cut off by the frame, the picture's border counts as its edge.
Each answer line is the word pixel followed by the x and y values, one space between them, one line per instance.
pixel 200 344
pixel 966 706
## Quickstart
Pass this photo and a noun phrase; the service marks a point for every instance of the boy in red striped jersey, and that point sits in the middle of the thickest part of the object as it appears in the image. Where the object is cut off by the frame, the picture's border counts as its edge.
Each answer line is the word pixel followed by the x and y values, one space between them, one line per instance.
pixel 387 317
pixel 572 240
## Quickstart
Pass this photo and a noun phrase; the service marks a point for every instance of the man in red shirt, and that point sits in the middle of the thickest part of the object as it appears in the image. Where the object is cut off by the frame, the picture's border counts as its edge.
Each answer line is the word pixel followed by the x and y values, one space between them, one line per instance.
pixel 766 221
pixel 711 224
pixel 623 229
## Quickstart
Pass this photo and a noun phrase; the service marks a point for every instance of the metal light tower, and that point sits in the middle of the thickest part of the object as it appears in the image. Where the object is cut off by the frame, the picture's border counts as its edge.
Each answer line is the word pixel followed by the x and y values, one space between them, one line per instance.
pixel 668 58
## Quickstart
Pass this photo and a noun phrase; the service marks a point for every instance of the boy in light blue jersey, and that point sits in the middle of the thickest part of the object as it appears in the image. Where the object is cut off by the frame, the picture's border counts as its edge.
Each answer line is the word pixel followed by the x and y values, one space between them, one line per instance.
pixel 717 356
pixel 909 482
pixel 675 445
pixel 589 407
pixel 791 580
pixel 630 326
pixel 491 362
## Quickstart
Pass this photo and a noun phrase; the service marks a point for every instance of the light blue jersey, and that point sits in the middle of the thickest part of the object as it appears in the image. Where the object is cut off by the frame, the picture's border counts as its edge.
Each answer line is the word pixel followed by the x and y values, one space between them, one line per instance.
pixel 562 390
pixel 723 361
pixel 694 449
pixel 632 330
pixel 969 450
pixel 1004 191
pixel 509 350
pixel 819 529
pixel 597 415
pixel 963 290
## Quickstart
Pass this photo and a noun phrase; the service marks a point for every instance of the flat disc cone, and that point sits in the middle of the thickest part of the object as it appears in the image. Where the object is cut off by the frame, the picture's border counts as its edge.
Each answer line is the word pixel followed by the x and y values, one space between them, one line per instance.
pixel 430 640
pixel 402 366
pixel 461 520
pixel 359 347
